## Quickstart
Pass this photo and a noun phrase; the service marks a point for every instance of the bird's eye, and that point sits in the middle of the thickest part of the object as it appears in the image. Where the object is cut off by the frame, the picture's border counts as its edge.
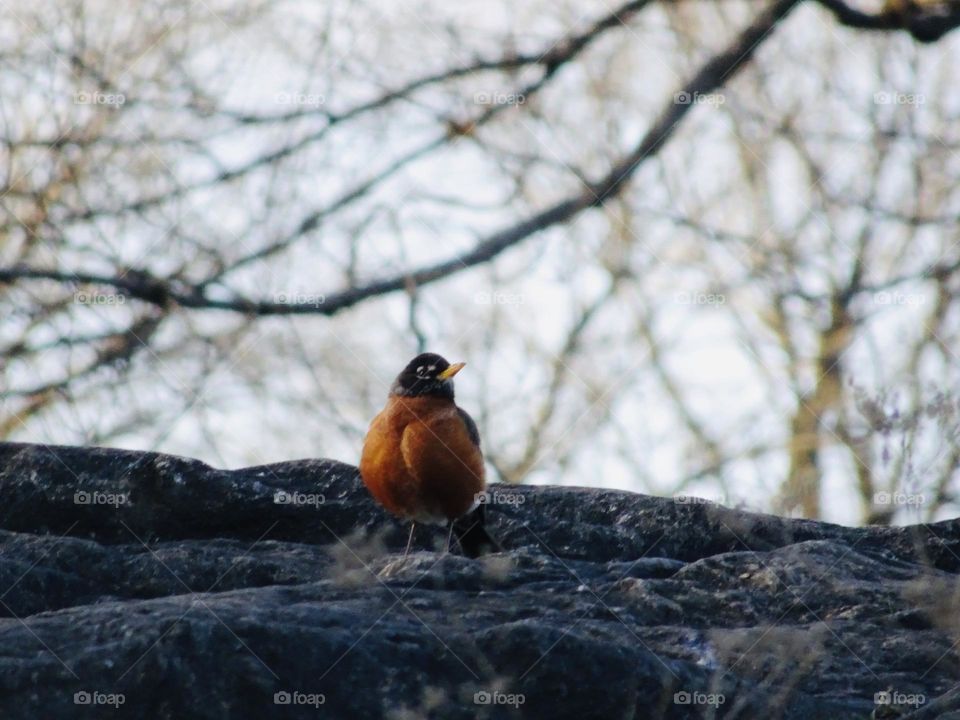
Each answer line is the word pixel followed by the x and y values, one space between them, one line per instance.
pixel 422 371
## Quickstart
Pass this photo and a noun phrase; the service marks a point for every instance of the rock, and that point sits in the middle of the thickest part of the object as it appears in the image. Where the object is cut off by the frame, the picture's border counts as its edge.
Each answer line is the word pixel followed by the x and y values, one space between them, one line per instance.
pixel 145 585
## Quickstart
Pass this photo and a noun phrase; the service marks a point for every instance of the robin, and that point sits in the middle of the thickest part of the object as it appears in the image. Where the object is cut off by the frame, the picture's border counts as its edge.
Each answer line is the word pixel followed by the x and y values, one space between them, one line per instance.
pixel 421 458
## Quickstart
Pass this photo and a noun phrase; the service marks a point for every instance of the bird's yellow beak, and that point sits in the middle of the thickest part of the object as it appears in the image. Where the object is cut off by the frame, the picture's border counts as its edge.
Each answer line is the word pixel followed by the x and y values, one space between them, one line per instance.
pixel 451 371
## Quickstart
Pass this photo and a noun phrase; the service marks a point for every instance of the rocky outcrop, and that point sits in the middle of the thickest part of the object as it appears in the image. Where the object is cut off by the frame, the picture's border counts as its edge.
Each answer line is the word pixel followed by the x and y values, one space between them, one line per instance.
pixel 144 585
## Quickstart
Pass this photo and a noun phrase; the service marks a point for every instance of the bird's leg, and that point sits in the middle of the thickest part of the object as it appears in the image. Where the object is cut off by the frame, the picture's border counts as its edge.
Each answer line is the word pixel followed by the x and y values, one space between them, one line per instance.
pixel 413 526
pixel 449 535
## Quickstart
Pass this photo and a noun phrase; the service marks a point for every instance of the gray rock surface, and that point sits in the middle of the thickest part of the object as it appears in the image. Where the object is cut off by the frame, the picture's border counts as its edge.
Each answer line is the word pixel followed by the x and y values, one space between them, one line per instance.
pixel 149 586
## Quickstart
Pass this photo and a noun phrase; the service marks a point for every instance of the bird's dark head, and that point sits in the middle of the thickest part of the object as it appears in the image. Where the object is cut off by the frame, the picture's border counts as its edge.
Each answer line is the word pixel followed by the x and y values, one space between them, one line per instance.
pixel 427 374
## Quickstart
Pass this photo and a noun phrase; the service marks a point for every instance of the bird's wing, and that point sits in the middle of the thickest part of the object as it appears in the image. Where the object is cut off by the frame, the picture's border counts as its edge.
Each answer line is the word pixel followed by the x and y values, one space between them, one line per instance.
pixel 472 429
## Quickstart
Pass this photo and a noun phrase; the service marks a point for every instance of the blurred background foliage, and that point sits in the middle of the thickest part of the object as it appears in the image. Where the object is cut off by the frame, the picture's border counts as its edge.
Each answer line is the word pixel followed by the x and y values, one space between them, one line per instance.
pixel 225 226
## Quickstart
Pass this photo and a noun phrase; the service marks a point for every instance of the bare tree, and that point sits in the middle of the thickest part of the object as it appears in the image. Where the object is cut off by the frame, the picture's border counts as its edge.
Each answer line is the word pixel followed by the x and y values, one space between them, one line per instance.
pixel 700 246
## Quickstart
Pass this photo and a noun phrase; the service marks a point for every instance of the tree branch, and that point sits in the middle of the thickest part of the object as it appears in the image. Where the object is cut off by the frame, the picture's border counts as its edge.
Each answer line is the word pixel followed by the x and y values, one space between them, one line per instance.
pixel 711 75
pixel 925 22
pixel 558 54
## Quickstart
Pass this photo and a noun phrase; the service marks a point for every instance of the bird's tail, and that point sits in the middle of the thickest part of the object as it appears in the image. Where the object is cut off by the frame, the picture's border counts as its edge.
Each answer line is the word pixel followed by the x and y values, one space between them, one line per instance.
pixel 472 534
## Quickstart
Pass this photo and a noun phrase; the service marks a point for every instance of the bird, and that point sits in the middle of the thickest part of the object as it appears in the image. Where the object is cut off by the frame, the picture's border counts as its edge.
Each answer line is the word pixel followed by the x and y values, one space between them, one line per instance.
pixel 421 457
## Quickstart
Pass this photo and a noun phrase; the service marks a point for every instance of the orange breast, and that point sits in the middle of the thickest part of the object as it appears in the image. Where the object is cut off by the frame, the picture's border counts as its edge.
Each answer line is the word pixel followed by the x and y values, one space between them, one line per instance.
pixel 419 462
